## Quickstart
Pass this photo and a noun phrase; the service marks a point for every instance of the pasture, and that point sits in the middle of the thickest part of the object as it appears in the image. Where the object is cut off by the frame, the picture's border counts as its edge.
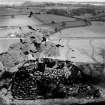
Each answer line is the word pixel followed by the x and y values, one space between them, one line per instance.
pixel 47 18
pixel 10 24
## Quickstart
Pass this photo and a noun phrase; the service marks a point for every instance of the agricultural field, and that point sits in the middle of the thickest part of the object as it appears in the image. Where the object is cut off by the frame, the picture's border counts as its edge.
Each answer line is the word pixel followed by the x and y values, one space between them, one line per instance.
pixel 96 30
pixel 6 42
pixel 47 19
pixel 76 49
pixel 11 25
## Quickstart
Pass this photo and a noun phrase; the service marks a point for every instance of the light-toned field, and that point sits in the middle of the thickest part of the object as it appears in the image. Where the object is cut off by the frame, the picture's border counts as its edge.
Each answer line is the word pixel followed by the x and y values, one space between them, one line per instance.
pixel 81 50
pixel 18 20
pixel 6 42
pixel 14 24
pixel 97 29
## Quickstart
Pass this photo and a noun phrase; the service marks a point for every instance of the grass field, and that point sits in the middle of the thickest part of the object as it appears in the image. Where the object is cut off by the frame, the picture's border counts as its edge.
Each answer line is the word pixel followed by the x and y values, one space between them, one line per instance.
pixel 97 29
pixel 80 50
pixel 18 20
pixel 14 23
pixel 47 19
pixel 6 42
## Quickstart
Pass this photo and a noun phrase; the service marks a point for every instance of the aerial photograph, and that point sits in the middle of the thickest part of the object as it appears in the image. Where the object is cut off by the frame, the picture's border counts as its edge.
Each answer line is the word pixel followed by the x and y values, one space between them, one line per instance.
pixel 52 52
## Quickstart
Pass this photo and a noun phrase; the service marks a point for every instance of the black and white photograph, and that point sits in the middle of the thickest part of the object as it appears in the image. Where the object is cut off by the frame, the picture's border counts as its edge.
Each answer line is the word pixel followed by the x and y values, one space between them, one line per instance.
pixel 52 52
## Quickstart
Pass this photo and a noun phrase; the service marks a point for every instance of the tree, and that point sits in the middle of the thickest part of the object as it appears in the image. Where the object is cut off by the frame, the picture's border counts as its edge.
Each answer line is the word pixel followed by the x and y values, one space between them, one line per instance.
pixel 63 24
